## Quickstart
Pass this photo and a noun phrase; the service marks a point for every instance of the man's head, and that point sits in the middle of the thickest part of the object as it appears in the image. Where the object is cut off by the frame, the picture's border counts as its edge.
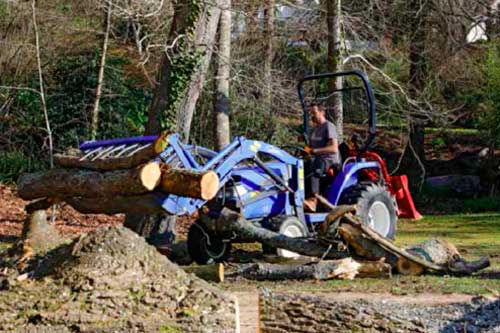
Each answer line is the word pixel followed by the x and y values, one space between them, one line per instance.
pixel 317 113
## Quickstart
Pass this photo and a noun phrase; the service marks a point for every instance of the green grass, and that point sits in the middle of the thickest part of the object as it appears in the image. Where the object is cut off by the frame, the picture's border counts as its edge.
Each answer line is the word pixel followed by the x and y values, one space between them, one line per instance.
pixel 475 235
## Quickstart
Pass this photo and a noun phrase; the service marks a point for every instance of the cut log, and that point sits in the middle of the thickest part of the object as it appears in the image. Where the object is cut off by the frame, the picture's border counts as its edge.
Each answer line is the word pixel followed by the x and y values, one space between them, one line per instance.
pixel 213 273
pixel 147 203
pixel 189 183
pixel 115 163
pixel 444 254
pixel 69 183
pixel 363 246
pixel 432 255
pixel 287 312
pixel 345 269
pixel 230 222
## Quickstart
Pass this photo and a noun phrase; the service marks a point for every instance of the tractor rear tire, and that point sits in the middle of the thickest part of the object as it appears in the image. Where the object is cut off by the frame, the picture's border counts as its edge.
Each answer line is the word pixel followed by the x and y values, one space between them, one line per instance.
pixel 204 246
pixel 289 226
pixel 375 206
pixel 158 229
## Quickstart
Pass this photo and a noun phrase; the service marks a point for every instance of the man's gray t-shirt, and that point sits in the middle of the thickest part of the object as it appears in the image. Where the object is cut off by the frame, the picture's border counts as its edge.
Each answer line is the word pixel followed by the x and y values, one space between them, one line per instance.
pixel 320 137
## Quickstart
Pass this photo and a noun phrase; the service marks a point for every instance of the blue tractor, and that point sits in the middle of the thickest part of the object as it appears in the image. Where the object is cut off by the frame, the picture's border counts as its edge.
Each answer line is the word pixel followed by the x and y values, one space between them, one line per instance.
pixel 267 184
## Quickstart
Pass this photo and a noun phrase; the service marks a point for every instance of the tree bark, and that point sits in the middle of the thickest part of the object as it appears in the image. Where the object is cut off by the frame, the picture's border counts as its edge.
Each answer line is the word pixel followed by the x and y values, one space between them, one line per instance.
pixel 139 204
pixel 286 312
pixel 100 77
pixel 221 108
pixel 115 163
pixel 204 41
pixel 190 183
pixel 62 183
pixel 231 222
pixel 162 92
pixel 335 43
pixel 344 269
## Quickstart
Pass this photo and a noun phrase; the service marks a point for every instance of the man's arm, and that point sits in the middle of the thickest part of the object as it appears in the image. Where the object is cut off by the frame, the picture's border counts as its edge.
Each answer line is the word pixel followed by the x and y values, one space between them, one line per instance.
pixel 332 147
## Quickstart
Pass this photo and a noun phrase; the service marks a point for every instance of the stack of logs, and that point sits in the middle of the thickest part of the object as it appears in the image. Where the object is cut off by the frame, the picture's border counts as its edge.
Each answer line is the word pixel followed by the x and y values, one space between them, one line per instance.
pixel 115 185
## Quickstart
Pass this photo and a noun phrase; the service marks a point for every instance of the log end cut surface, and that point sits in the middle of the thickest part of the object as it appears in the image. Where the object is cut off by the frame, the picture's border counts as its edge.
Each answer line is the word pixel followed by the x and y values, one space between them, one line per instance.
pixel 150 175
pixel 209 185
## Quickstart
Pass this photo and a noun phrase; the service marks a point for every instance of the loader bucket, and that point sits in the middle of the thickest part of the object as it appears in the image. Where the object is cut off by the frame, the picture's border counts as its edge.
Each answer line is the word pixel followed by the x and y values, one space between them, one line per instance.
pixel 401 190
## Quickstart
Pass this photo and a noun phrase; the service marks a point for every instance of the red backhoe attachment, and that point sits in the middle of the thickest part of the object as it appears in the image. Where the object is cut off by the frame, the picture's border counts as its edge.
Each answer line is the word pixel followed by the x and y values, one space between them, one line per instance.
pixel 398 186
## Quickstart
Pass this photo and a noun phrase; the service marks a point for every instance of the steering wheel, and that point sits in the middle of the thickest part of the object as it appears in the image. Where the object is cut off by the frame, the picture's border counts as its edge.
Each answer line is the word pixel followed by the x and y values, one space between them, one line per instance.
pixel 300 152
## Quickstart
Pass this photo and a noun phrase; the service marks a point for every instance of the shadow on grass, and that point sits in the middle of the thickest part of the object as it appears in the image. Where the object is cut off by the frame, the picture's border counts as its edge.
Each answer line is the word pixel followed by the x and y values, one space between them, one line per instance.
pixel 490 275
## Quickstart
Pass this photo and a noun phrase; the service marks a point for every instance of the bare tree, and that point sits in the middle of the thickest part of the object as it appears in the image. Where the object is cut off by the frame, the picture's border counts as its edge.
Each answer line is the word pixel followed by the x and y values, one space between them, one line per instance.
pixel 268 59
pixel 414 155
pixel 222 108
pixel 100 77
pixel 333 19
pixel 40 80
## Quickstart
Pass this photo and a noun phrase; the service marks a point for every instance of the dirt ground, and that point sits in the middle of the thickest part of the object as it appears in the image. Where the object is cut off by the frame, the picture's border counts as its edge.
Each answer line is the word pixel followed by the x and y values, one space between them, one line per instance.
pixel 71 223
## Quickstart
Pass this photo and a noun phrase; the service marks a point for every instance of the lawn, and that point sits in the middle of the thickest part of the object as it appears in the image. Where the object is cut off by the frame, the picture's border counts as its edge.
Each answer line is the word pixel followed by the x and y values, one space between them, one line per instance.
pixel 475 235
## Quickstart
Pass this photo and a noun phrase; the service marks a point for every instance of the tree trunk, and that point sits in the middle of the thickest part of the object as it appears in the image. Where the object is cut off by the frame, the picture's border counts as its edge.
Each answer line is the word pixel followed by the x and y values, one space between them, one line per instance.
pixel 413 160
pixel 204 41
pixel 159 112
pixel 222 133
pixel 38 234
pixel 305 313
pixel 100 77
pixel 346 268
pixel 115 163
pixel 268 62
pixel 62 183
pixel 231 222
pixel 335 43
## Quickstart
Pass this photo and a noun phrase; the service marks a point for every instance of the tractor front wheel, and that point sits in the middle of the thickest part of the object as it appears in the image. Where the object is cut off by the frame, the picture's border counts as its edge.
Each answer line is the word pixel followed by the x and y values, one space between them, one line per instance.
pixel 204 246
pixel 289 226
pixel 375 206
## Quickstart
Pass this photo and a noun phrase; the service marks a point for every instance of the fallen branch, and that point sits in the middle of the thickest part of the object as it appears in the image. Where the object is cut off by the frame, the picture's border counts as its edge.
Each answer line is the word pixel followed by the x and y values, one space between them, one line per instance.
pixel 346 268
pixel 230 222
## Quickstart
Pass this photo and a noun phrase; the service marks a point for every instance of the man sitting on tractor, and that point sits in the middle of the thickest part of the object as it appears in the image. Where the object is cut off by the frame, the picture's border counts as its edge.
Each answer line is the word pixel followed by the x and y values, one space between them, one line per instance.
pixel 324 149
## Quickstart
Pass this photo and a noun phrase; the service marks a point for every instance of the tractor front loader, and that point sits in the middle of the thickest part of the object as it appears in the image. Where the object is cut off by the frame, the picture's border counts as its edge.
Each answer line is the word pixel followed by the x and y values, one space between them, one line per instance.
pixel 267 184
